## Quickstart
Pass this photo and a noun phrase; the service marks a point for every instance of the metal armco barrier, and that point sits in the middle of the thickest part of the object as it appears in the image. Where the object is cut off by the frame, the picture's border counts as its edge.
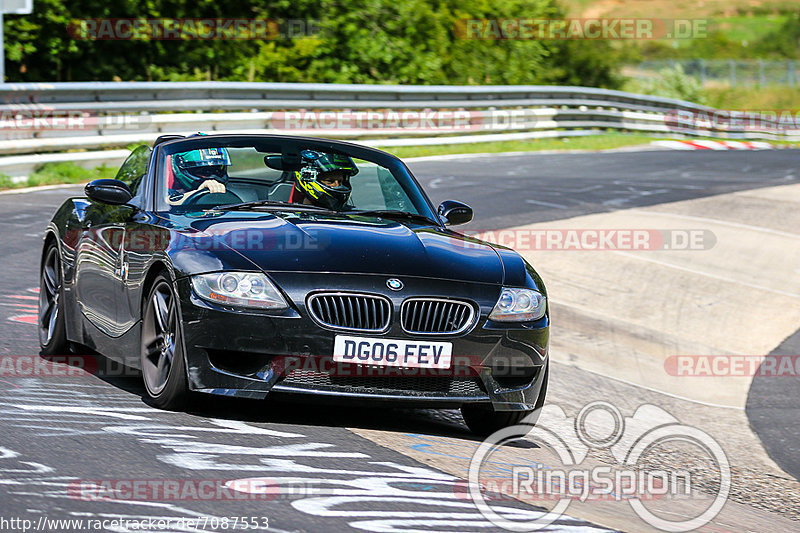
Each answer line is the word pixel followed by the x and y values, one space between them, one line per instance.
pixel 39 118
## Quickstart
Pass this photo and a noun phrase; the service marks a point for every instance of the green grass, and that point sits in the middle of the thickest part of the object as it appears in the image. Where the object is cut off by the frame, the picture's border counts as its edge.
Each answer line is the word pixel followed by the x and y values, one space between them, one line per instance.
pixel 753 98
pixel 59 173
pixel 744 28
pixel 598 142
pixel 576 7
pixel 595 142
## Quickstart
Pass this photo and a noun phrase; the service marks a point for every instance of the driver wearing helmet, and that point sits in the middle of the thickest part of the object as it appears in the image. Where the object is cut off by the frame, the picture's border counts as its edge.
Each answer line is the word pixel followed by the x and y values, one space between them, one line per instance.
pixel 324 179
pixel 198 170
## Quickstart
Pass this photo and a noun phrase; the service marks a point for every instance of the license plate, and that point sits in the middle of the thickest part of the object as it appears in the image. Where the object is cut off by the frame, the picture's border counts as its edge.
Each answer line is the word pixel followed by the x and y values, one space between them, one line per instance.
pixel 392 352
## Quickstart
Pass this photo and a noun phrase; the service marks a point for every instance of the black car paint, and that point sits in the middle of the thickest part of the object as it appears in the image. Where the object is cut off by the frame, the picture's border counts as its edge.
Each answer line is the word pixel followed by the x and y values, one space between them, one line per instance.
pixel 110 252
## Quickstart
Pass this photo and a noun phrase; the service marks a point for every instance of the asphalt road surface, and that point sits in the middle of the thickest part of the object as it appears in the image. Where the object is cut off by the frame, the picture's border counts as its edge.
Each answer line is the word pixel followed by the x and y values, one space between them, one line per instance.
pixel 65 436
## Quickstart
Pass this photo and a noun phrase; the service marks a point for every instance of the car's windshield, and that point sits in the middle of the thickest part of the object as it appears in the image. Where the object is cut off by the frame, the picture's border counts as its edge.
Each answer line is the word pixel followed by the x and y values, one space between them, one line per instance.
pixel 220 173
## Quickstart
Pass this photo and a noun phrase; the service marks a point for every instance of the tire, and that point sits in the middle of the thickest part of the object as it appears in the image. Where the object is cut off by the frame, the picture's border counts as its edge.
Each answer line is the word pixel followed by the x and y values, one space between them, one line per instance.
pixel 52 331
pixel 483 420
pixel 163 367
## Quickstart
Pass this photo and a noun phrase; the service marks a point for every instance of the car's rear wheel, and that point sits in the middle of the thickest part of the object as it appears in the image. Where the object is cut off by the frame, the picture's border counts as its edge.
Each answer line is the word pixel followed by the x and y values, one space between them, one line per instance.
pixel 52 332
pixel 482 420
pixel 162 362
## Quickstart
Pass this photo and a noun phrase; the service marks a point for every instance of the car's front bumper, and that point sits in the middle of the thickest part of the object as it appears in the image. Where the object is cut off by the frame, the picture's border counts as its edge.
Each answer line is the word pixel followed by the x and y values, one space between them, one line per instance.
pixel 250 354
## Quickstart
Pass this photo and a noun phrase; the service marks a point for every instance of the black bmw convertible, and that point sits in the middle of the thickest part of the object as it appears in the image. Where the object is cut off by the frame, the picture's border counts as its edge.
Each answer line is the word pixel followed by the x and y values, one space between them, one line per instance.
pixel 251 265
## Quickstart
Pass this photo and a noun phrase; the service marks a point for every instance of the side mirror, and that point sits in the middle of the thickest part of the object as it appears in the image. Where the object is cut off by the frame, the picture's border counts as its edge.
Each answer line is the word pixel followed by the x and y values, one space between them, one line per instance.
pixel 113 192
pixel 454 213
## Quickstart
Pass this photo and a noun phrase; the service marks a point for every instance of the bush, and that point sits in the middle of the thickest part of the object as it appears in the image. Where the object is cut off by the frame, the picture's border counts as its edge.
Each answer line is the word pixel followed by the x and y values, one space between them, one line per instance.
pixel 53 173
pixel 783 43
pixel 359 41
pixel 671 83
pixel 5 182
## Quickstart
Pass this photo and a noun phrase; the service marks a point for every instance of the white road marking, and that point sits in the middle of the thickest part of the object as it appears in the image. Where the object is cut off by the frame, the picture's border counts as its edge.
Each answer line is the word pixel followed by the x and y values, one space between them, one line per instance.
pixel 546 204
pixel 39 188
pixel 651 389
pixel 112 412
pixel 716 221
pixel 707 274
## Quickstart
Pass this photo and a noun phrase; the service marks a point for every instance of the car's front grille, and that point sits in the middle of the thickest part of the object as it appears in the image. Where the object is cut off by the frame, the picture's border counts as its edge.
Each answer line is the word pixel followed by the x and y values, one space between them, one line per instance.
pixel 436 316
pixel 357 312
pixel 431 385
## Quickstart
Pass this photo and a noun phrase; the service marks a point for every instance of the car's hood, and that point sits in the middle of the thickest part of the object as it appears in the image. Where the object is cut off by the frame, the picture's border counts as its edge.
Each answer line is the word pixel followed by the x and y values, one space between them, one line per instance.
pixel 314 242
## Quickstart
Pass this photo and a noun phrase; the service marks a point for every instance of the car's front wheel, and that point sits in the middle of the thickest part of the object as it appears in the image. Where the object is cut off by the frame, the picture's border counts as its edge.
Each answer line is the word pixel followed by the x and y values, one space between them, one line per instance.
pixel 52 332
pixel 482 420
pixel 162 362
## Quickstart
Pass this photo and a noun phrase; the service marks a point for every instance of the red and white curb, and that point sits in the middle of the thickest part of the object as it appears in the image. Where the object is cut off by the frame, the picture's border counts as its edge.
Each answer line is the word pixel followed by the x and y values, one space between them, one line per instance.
pixel 714 145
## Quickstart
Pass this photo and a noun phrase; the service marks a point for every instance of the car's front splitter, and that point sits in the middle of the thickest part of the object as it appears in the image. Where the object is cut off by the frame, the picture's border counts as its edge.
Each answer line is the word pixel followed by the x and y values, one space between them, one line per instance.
pixel 250 354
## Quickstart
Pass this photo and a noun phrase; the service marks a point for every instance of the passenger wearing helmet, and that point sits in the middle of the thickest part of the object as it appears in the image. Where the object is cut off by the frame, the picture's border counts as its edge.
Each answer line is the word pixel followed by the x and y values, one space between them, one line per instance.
pixel 324 179
pixel 198 170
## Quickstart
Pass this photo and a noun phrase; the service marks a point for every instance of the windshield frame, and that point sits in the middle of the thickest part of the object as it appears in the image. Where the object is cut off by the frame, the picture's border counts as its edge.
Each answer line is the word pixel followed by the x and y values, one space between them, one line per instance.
pixel 290 144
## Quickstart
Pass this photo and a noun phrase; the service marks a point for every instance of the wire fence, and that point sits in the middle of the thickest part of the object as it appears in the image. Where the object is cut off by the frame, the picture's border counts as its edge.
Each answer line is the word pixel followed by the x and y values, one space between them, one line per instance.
pixel 730 72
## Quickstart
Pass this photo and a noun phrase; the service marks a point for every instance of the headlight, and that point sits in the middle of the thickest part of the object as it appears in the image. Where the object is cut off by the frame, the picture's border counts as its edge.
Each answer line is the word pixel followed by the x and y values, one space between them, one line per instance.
pixel 240 289
pixel 519 305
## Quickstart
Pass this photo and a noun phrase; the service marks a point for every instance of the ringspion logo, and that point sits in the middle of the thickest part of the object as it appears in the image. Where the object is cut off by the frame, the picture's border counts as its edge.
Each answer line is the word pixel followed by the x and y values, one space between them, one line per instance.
pixel 631 441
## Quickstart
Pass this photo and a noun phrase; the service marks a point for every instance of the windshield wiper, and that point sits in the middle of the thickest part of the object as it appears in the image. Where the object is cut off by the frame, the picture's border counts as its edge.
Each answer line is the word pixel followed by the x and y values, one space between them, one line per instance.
pixel 391 213
pixel 272 203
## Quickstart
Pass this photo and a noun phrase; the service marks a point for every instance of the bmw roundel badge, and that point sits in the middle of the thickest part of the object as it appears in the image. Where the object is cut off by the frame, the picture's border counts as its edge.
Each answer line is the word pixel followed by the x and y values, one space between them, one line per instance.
pixel 394 284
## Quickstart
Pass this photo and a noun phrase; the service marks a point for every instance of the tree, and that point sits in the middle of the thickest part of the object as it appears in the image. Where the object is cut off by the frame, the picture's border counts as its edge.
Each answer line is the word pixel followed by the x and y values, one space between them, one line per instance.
pixel 358 41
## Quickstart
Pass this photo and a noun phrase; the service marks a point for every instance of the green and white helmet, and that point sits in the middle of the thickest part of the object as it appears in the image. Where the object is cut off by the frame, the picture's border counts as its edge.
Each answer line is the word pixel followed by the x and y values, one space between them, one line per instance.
pixel 193 167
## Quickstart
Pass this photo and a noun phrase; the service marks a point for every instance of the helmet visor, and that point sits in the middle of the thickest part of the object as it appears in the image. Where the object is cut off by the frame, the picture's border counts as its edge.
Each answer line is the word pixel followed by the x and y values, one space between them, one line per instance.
pixel 206 172
pixel 323 162
pixel 205 157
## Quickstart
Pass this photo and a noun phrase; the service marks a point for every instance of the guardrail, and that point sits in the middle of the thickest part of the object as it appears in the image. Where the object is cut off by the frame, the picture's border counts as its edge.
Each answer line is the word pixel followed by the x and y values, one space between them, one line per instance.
pixel 53 117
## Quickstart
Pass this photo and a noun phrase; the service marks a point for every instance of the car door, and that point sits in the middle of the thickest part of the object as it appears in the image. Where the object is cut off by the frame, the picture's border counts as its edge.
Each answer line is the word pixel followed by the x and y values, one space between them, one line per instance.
pixel 141 240
pixel 100 267
pixel 97 265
